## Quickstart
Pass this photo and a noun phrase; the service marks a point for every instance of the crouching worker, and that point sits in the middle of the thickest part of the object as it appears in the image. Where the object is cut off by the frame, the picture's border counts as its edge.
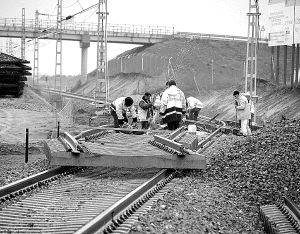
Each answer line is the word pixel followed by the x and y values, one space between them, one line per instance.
pixel 118 110
pixel 173 106
pixel 145 111
pixel 193 108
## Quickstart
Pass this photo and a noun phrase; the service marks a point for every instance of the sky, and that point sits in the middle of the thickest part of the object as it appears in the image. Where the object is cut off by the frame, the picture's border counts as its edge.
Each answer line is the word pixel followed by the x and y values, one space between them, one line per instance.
pixel 198 16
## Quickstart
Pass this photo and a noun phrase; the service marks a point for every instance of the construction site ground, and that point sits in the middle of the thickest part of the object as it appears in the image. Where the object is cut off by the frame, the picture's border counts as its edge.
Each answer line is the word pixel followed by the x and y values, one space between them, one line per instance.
pixel 244 174
pixel 228 215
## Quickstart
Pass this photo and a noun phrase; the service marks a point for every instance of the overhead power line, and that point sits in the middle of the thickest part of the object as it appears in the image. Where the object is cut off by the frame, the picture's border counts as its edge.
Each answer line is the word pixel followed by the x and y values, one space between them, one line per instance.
pixel 80 12
pixel 65 19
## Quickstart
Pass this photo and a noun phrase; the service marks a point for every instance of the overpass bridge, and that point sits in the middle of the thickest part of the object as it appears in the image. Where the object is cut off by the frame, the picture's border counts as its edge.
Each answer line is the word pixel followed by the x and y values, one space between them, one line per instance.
pixel 78 31
pixel 85 32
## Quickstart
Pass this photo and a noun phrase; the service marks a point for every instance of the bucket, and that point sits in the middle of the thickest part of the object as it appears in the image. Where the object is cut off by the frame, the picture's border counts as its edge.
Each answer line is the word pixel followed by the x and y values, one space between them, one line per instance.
pixel 192 128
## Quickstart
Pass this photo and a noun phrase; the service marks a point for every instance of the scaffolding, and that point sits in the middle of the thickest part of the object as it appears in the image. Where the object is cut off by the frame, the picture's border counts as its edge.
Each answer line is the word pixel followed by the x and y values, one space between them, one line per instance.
pixel 102 82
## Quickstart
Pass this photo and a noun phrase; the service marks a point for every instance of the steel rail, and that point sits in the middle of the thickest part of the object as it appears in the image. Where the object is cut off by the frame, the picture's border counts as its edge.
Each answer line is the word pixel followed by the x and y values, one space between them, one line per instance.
pixel 72 95
pixel 107 216
pixel 30 181
pixel 292 206
pixel 281 218
pixel 71 141
pixel 205 124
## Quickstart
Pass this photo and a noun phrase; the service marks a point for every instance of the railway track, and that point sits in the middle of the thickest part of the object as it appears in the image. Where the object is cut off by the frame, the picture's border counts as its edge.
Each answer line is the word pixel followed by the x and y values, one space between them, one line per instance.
pixel 280 219
pixel 78 200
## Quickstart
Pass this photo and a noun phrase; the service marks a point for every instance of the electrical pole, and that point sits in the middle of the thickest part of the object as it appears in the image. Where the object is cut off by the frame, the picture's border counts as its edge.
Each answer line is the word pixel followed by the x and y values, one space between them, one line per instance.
pixel 251 57
pixel 58 57
pixel 35 73
pixel 102 83
pixel 9 49
pixel 252 42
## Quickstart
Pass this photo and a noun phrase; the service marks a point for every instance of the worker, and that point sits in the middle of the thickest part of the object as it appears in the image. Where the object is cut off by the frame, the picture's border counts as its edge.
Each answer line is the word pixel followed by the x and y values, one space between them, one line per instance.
pixel 157 104
pixel 119 109
pixel 173 106
pixel 242 112
pixel 145 110
pixel 194 106
pixel 252 110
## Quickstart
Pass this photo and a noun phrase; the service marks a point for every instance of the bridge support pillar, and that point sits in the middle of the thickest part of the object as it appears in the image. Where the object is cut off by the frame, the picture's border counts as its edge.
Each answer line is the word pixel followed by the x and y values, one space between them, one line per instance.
pixel 84 45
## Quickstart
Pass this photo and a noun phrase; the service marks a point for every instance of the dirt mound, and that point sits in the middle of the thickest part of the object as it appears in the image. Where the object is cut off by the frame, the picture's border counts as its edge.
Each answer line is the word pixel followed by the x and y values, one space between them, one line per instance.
pixel 273 103
pixel 192 63
pixel 207 69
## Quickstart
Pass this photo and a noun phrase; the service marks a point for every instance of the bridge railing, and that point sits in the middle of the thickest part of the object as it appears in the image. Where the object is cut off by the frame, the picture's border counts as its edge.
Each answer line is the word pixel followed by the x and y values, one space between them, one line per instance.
pixel 91 28
pixel 214 36
pixel 86 26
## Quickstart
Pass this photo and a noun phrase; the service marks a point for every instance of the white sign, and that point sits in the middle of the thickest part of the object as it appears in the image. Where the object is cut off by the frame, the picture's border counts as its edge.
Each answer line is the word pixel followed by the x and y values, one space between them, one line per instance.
pixel 284 22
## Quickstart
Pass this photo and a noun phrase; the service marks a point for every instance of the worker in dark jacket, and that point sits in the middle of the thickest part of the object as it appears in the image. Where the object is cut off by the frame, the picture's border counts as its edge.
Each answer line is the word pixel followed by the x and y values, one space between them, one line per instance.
pixel 118 110
pixel 145 110
pixel 173 106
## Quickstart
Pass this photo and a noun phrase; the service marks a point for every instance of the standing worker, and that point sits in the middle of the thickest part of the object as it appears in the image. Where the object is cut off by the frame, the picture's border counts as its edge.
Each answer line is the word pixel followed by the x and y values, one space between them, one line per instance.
pixel 194 106
pixel 243 112
pixel 145 110
pixel 173 105
pixel 118 110
pixel 252 110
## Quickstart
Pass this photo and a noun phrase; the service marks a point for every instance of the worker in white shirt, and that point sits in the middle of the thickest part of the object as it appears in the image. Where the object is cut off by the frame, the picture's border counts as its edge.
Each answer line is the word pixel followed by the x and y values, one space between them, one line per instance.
pixel 242 107
pixel 119 108
pixel 194 106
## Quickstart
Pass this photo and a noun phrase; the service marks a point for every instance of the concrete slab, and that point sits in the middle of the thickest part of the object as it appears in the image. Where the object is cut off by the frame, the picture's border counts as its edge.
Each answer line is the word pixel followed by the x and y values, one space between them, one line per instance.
pixel 121 150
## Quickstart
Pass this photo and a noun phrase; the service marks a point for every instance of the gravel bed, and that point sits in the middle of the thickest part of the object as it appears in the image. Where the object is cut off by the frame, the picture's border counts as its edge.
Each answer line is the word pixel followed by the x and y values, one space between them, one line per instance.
pixel 19 148
pixel 28 101
pixel 13 167
pixel 245 173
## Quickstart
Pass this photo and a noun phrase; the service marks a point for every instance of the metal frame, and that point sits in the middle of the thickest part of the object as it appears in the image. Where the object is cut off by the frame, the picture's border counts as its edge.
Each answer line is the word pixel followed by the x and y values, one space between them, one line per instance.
pixel 58 56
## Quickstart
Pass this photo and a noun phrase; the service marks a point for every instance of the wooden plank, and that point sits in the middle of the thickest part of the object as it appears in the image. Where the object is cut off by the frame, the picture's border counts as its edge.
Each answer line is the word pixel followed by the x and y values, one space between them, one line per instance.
pixel 154 161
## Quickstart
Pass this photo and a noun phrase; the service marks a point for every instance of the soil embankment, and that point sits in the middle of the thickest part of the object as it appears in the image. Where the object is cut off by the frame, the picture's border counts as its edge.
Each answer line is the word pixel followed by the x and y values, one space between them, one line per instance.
pixel 210 70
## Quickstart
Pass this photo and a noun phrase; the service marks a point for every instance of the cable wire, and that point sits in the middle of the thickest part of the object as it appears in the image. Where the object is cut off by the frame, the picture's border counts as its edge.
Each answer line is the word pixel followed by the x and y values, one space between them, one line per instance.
pixel 65 19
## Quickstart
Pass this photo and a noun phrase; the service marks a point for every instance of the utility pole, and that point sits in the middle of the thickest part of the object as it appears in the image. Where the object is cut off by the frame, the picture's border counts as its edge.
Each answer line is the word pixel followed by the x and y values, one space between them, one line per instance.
pixel 252 43
pixel 23 35
pixel 58 57
pixel 9 49
pixel 102 83
pixel 35 73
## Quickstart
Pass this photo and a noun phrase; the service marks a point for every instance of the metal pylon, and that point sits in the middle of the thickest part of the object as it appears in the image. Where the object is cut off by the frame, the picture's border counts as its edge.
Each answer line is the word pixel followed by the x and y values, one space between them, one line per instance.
pixel 102 83
pixel 58 57
pixel 252 43
pixel 35 72
pixel 23 35
pixel 9 49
